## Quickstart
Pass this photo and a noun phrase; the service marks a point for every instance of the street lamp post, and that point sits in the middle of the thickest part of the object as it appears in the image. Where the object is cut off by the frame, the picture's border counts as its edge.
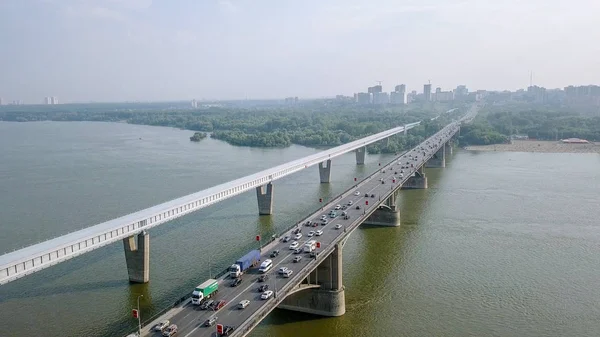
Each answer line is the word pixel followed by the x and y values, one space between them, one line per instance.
pixel 139 316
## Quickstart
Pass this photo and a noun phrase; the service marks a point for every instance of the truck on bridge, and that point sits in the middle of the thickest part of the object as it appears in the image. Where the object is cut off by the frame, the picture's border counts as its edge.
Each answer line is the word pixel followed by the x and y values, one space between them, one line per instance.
pixel 205 290
pixel 244 263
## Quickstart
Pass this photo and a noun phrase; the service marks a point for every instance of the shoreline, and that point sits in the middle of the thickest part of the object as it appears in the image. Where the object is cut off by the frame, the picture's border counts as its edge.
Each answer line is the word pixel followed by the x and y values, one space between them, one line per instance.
pixel 539 146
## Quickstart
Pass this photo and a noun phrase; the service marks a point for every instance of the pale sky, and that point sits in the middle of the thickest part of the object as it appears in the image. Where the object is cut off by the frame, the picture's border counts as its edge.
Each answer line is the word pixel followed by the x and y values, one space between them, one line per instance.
pixel 116 50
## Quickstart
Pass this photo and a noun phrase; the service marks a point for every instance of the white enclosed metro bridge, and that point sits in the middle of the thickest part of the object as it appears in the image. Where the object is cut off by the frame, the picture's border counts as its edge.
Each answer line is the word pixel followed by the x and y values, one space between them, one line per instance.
pixel 28 260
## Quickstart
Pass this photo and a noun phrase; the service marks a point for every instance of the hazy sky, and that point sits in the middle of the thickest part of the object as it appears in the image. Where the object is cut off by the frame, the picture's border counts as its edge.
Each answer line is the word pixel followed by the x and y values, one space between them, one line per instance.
pixel 114 50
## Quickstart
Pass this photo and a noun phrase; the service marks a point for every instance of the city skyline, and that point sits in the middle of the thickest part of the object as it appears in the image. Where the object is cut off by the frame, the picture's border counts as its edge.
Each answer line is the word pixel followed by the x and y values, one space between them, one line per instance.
pixel 139 50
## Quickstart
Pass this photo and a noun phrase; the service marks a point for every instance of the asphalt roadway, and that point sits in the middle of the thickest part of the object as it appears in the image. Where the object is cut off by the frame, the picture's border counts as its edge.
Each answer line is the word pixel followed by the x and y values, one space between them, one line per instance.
pixel 190 319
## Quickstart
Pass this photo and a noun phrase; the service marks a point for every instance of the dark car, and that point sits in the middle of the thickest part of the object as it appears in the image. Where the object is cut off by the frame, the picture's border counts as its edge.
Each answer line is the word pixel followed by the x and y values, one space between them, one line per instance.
pixel 263 278
pixel 211 321
pixel 315 224
pixel 236 282
pixel 274 253
pixel 372 195
pixel 357 206
pixel 227 330
pixel 263 288
pixel 207 304
pixel 366 195
pixel 383 181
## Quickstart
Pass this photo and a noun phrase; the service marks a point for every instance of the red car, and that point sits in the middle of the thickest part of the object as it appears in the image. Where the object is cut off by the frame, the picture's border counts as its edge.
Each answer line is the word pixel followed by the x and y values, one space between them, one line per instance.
pixel 219 305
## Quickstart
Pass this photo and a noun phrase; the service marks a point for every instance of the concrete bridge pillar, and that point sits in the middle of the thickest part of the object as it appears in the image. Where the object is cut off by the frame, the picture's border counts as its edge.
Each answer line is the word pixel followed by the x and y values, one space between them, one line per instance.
pixel 405 130
pixel 325 171
pixel 386 142
pixel 448 146
pixel 137 257
pixel 438 159
pixel 360 155
pixel 417 181
pixel 328 299
pixel 265 199
pixel 386 214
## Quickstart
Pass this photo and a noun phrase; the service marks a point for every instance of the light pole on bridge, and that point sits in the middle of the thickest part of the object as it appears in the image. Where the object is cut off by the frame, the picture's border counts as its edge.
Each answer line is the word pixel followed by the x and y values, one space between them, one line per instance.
pixel 139 315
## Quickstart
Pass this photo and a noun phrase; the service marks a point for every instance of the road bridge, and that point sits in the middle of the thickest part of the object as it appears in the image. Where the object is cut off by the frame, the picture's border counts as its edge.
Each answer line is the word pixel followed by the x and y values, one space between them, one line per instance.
pixel 132 229
pixel 316 284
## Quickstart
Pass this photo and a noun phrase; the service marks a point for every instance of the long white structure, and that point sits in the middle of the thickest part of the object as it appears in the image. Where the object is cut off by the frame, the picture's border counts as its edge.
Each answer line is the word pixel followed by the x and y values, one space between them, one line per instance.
pixel 30 259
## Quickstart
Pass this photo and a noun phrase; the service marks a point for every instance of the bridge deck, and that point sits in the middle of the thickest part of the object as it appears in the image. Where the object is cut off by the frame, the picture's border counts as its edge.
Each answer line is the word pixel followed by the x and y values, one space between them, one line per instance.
pixel 36 257
pixel 189 318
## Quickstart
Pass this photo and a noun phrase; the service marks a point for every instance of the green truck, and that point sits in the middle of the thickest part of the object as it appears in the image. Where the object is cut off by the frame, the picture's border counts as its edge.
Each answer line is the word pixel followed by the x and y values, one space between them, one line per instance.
pixel 205 290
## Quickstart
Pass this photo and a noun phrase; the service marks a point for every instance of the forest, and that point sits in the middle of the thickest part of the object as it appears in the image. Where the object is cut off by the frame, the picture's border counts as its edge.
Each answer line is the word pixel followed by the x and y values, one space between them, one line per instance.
pixel 495 124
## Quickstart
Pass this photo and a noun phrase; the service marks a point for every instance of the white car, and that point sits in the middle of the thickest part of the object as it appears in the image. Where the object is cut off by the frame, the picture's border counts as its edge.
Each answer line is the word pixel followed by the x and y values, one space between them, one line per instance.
pixel 294 245
pixel 337 207
pixel 311 233
pixel 288 273
pixel 266 295
pixel 243 304
pixel 323 216
pixel 319 233
pixel 338 226
pixel 357 193
pixel 324 221
pixel 350 203
pixel 282 270
pixel 162 325
pixel 298 236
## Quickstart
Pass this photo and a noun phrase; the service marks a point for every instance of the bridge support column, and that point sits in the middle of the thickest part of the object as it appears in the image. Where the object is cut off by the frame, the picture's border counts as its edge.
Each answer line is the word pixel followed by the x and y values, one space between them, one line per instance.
pixel 386 142
pixel 265 199
pixel 448 147
pixel 325 171
pixel 329 299
pixel 417 181
pixel 405 130
pixel 360 155
pixel 137 256
pixel 386 214
pixel 438 159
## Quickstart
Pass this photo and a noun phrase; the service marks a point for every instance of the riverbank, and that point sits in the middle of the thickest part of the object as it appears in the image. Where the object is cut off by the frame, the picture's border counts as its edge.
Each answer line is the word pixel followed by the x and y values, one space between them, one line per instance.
pixel 538 146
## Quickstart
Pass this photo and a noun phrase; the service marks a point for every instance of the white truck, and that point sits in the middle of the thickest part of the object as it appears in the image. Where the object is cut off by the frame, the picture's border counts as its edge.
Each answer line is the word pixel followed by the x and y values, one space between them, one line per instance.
pixel 310 246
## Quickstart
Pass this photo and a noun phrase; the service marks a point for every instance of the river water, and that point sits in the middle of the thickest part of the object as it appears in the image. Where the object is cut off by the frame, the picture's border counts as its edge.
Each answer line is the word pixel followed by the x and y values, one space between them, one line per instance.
pixel 501 244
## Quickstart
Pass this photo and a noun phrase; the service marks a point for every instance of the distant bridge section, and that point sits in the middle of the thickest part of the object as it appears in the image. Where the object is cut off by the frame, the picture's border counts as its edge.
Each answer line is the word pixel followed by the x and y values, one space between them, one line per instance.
pixel 30 259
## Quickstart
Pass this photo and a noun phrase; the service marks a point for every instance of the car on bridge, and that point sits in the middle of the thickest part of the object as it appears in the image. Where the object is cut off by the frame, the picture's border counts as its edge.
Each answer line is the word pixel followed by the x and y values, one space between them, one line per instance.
pixel 243 304
pixel 170 331
pixel 337 207
pixel 311 233
pixel 211 321
pixel 219 305
pixel 227 330
pixel 282 270
pixel 372 195
pixel 297 250
pixel 263 278
pixel 357 193
pixel 324 222
pixel 274 253
pixel 294 245
pixel 319 233
pixel 288 273
pixel 286 238
pixel 207 304
pixel 263 288
pixel 297 259
pixel 350 202
pixel 338 226
pixel 266 295
pixel 236 282
pixel 357 206
pixel 298 236
pixel 161 326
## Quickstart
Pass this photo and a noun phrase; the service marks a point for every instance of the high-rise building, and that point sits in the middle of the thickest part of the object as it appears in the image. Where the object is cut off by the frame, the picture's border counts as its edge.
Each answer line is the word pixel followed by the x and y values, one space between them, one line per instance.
pixel 381 98
pixel 51 100
pixel 47 100
pixel 397 97
pixel 363 98
pixel 427 92
pixel 1 102
pixel 194 104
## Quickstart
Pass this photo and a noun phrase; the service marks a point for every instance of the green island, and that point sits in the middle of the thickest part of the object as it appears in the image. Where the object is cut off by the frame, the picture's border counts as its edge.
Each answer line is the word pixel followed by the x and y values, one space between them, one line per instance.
pixel 198 136
pixel 319 123
pixel 495 124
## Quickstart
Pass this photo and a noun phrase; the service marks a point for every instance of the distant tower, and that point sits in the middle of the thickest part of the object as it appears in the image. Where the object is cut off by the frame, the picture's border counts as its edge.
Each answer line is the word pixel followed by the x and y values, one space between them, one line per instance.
pixel 47 100
pixel 427 92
